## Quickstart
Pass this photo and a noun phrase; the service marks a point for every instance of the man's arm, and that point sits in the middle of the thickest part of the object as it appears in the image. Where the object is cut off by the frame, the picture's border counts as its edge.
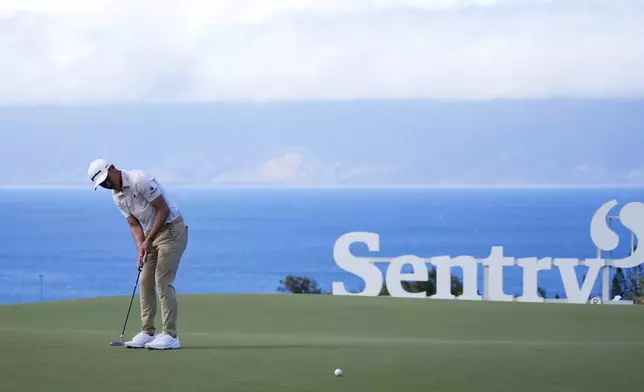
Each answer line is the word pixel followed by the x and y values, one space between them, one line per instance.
pixel 137 232
pixel 163 211
pixel 151 191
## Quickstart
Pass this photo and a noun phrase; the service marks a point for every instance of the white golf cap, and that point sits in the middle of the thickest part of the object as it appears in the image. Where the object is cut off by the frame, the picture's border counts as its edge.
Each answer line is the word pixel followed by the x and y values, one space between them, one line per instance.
pixel 97 171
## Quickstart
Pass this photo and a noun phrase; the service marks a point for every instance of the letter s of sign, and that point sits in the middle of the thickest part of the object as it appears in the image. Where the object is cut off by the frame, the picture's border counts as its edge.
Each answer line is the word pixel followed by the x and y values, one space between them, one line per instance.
pixel 632 217
pixel 365 269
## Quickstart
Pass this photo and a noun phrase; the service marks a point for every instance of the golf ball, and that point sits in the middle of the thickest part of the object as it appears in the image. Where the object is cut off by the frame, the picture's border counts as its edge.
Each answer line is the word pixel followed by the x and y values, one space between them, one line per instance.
pixel 338 372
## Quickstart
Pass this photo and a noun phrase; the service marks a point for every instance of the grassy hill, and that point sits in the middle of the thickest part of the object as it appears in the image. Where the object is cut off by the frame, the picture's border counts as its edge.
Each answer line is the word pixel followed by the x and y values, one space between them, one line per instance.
pixel 294 343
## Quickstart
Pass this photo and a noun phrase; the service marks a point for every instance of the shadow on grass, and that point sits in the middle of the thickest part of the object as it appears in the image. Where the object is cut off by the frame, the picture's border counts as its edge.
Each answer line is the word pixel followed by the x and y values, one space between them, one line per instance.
pixel 266 347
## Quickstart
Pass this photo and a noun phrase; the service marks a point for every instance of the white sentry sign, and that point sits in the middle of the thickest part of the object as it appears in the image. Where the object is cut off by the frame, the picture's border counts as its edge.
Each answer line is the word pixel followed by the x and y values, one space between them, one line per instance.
pixel 631 216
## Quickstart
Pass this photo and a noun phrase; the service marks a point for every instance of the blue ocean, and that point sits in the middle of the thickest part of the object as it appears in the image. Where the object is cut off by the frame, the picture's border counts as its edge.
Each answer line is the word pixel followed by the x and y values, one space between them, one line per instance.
pixel 59 244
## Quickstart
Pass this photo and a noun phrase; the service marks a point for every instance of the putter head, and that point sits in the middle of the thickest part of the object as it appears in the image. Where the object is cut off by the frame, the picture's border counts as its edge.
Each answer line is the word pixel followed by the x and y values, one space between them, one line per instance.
pixel 117 342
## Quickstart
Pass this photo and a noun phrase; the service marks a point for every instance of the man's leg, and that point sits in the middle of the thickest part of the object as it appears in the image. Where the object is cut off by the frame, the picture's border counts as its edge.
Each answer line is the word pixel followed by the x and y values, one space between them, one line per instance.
pixel 170 244
pixel 148 302
pixel 170 254
pixel 148 296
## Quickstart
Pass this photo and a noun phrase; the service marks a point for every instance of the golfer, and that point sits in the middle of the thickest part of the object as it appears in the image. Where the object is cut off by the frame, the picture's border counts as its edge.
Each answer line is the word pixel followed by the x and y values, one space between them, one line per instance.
pixel 161 237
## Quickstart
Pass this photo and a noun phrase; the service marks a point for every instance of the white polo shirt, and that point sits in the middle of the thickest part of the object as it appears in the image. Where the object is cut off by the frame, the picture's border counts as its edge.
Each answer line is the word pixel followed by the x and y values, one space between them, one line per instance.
pixel 139 190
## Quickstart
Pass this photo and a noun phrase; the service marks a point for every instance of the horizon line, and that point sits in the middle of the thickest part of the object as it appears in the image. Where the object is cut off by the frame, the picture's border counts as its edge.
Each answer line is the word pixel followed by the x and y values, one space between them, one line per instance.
pixel 281 101
pixel 172 185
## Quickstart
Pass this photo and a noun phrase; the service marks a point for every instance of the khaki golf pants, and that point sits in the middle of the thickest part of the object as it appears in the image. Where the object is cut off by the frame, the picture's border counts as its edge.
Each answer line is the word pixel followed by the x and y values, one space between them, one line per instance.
pixel 160 269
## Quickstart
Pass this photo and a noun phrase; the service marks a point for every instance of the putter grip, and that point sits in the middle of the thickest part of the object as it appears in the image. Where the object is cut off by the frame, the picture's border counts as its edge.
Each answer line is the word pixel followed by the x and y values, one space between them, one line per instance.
pixel 143 258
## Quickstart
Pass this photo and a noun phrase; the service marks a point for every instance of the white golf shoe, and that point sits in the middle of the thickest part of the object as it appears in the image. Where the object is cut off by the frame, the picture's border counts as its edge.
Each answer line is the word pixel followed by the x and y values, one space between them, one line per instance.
pixel 164 341
pixel 140 340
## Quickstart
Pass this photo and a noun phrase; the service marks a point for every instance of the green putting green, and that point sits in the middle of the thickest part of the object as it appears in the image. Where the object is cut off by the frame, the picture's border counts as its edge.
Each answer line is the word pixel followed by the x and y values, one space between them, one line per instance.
pixel 295 342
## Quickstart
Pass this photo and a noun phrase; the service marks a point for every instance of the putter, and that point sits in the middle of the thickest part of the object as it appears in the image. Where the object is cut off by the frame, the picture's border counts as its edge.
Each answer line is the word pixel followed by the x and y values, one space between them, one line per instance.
pixel 120 342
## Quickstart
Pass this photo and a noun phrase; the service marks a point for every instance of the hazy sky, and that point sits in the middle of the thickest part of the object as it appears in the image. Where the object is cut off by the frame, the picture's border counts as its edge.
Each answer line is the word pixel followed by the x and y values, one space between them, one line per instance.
pixel 432 92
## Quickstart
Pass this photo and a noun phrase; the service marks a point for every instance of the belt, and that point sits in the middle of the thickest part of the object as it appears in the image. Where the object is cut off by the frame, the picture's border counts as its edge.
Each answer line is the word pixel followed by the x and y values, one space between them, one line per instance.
pixel 166 225
pixel 177 220
pixel 174 222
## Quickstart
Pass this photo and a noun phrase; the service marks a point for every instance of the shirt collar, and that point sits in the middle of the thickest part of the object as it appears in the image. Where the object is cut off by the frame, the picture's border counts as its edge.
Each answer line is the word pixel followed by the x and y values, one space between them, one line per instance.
pixel 126 180
pixel 126 183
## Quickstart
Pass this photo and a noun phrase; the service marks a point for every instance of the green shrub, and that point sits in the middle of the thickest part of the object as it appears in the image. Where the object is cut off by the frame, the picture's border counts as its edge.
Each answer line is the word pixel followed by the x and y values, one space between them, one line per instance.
pixel 299 285
pixel 429 285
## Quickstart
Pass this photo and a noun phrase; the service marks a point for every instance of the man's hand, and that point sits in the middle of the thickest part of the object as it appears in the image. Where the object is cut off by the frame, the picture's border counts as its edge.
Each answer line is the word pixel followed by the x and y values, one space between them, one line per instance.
pixel 141 259
pixel 146 247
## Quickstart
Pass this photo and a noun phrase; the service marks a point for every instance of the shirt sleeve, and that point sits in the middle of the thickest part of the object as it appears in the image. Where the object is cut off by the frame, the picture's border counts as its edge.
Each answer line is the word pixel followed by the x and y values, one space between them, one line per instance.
pixel 122 207
pixel 125 212
pixel 148 187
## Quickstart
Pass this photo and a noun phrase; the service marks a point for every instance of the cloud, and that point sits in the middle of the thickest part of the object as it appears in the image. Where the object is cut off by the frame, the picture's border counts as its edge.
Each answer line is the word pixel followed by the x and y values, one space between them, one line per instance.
pixel 635 176
pixel 297 167
pixel 105 51
pixel 286 169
